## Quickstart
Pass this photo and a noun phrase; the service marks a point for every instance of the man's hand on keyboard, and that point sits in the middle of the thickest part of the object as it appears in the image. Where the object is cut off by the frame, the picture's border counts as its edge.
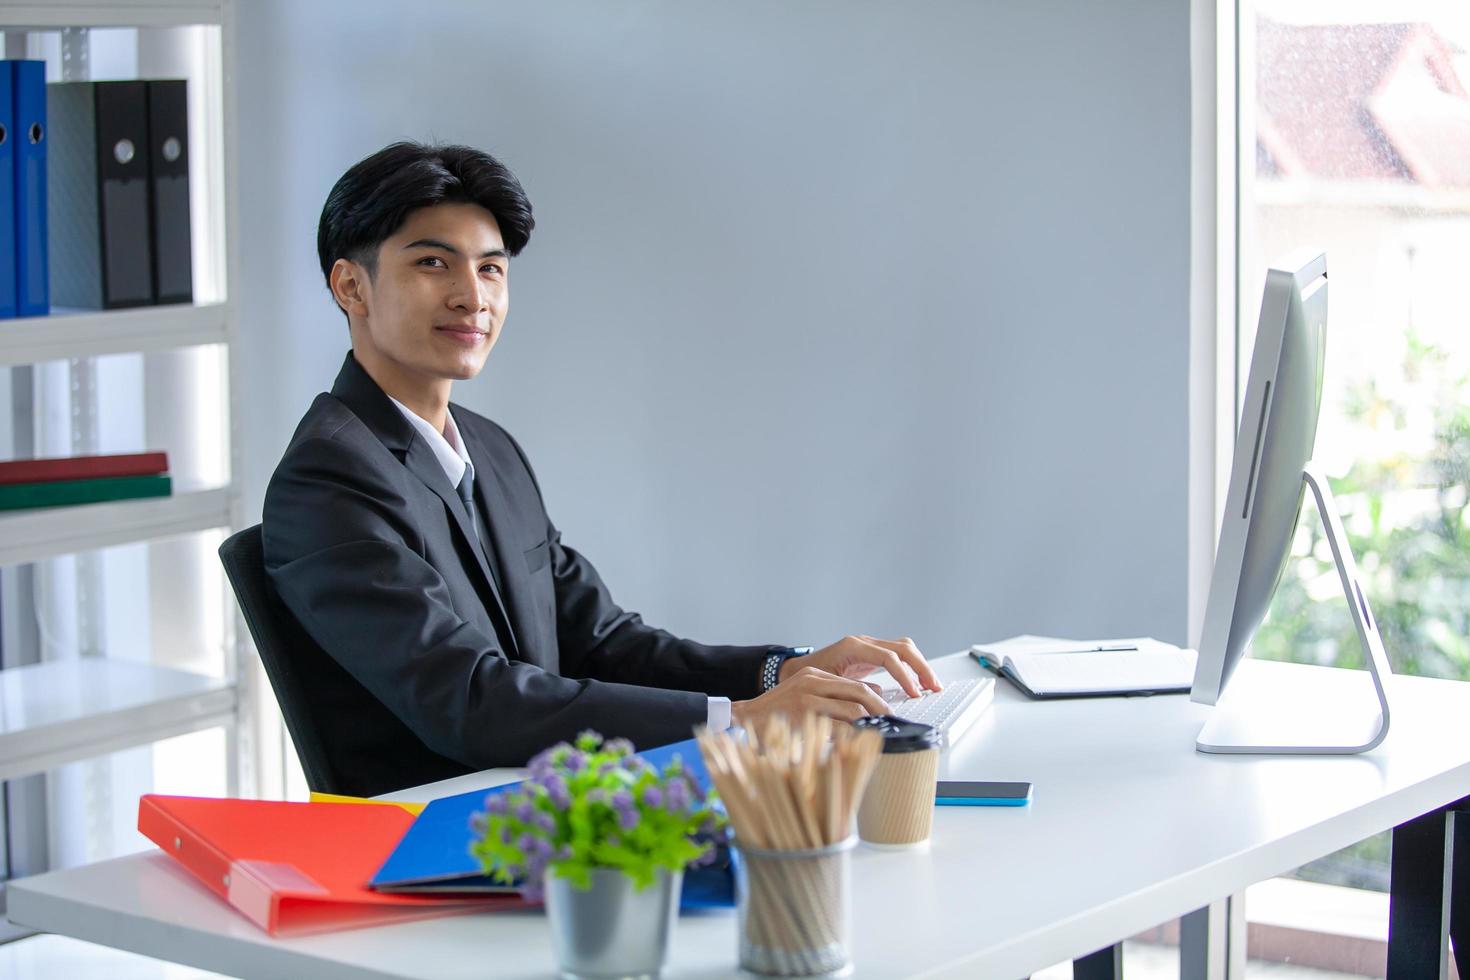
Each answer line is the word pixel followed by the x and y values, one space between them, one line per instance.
pixel 859 656
pixel 811 690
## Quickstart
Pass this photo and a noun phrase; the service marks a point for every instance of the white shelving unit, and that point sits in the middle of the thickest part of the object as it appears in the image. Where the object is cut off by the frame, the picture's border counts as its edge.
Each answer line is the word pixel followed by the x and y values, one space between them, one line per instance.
pixel 32 535
pixel 58 712
pixel 55 713
pixel 31 340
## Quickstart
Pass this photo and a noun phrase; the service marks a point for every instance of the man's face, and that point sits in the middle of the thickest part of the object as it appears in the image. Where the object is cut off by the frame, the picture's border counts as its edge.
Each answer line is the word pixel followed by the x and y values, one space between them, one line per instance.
pixel 435 305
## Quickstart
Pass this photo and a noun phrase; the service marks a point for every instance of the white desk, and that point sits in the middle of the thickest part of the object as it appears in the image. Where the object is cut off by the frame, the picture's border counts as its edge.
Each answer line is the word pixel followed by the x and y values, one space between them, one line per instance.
pixel 1130 827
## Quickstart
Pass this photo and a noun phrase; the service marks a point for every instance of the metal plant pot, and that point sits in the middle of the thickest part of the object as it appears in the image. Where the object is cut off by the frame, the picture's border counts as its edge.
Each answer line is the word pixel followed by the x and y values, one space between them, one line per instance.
pixel 612 930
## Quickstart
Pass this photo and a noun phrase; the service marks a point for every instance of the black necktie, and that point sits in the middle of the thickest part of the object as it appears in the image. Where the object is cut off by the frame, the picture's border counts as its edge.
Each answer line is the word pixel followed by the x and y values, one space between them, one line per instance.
pixel 466 490
pixel 467 497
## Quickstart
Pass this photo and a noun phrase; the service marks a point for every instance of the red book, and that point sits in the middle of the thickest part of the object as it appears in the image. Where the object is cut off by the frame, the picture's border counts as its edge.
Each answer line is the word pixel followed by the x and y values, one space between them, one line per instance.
pixel 294 868
pixel 82 468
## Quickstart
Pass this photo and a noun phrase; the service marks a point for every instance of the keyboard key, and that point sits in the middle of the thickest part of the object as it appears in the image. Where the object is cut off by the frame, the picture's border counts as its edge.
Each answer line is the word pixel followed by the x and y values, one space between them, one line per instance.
pixel 951 710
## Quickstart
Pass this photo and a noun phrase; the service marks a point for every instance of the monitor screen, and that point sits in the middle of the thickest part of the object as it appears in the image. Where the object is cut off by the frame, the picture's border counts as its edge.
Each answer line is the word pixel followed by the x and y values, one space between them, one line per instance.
pixel 1273 445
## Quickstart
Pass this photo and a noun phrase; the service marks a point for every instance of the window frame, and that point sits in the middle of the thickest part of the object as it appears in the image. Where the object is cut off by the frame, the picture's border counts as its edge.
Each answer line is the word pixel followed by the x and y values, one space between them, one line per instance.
pixel 1215 291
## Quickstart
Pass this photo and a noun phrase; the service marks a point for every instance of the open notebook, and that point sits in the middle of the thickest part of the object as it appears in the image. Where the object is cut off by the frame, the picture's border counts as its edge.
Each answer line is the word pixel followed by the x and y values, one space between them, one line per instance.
pixel 1054 667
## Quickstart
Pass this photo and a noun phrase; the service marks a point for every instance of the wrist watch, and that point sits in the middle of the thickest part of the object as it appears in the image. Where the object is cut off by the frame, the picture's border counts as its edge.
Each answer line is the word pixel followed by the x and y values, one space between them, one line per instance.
pixel 771 665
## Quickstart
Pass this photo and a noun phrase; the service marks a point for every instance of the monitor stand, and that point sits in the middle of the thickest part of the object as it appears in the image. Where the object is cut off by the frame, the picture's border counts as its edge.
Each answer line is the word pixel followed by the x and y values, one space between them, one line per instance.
pixel 1315 712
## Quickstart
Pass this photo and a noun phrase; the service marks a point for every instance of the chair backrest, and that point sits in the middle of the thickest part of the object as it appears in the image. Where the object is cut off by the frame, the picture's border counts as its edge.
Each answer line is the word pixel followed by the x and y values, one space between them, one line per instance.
pixel 349 742
pixel 282 644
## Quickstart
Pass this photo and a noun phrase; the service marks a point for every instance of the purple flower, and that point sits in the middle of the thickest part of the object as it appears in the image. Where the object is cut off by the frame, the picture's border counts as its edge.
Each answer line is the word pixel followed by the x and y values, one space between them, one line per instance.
pixel 677 796
pixel 556 791
pixel 542 763
pixel 627 819
pixel 618 747
pixel 653 796
pixel 575 762
pixel 545 822
pixel 527 844
pixel 621 799
pixel 496 804
pixel 524 811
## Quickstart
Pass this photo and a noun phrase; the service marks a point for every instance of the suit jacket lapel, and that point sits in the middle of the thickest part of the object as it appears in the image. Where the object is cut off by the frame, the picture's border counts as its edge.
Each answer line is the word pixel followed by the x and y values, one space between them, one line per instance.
pixel 492 495
pixel 422 462
pixel 361 394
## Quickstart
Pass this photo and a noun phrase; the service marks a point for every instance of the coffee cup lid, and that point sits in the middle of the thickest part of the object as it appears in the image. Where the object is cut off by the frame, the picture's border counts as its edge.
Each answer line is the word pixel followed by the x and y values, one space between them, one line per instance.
pixel 900 734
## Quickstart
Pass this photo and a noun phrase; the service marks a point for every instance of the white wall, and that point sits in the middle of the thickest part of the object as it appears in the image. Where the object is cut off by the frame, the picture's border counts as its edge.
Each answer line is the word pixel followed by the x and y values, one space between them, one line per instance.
pixel 839 317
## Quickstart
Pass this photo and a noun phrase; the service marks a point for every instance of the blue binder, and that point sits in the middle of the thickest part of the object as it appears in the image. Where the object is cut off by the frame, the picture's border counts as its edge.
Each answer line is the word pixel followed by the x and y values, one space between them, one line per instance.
pixel 434 856
pixel 7 194
pixel 32 279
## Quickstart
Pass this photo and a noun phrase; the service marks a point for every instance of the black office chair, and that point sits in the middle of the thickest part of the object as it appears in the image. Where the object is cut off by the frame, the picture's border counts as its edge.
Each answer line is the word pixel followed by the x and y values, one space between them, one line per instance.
pixel 348 741
pixel 282 644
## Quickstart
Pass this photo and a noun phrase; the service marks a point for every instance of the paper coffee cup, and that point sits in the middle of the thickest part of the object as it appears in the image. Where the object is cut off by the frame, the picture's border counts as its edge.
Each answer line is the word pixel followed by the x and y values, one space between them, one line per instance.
pixel 898 806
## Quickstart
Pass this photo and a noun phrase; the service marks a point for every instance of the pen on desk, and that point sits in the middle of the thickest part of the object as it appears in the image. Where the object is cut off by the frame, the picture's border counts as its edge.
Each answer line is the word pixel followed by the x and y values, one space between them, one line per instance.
pixel 992 661
pixel 1124 648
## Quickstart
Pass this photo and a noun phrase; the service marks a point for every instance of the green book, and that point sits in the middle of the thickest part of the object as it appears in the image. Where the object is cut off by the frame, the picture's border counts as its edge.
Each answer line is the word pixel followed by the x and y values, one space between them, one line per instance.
pixel 65 493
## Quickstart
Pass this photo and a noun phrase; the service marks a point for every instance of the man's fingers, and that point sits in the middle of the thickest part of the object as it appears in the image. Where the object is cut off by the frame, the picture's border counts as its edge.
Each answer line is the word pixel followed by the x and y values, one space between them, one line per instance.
pixel 844 689
pixel 841 710
pixel 905 649
pixel 875 651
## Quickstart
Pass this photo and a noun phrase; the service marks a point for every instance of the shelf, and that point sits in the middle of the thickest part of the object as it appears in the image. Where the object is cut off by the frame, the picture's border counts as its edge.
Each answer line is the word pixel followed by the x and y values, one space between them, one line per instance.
pixel 31 340
pixel 52 14
pixel 60 712
pixel 31 535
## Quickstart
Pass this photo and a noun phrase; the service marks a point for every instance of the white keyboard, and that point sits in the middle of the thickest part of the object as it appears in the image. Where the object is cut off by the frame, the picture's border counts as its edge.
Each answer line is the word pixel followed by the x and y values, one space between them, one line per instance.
pixel 952 710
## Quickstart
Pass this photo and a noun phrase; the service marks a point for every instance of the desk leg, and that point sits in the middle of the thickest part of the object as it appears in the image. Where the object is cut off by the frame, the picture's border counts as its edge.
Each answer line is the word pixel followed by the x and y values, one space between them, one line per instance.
pixel 1426 874
pixel 1212 941
pixel 1105 964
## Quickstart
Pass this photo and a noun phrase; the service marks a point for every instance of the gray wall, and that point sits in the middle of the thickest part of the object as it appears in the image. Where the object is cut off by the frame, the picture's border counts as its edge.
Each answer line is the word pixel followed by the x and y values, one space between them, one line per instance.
pixel 839 317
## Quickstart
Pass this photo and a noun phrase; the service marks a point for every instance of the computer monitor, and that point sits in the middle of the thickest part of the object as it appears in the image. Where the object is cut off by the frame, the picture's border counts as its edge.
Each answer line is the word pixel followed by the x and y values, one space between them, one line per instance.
pixel 1269 474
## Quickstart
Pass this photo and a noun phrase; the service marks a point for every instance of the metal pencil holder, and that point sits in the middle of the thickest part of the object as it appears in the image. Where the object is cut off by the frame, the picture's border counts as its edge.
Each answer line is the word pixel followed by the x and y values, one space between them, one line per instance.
pixel 794 908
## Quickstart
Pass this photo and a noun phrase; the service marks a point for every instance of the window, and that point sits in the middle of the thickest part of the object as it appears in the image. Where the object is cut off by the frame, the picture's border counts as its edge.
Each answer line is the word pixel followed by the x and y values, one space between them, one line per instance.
pixel 1359 116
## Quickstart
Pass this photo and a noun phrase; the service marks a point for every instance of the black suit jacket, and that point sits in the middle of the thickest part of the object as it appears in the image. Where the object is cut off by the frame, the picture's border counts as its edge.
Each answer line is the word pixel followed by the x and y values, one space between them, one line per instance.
pixel 484 655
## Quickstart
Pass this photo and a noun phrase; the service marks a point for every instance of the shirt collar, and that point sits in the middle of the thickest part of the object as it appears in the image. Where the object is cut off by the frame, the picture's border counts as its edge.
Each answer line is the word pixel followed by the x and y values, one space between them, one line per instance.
pixel 447 445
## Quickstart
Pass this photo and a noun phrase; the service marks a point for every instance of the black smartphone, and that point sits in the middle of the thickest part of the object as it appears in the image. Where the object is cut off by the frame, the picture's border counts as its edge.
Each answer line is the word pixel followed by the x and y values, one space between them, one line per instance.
pixel 973 793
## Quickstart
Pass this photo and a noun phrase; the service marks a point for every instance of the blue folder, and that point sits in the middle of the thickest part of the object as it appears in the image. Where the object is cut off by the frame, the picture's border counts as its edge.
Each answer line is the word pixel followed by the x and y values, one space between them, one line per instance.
pixel 7 193
pixel 434 856
pixel 32 279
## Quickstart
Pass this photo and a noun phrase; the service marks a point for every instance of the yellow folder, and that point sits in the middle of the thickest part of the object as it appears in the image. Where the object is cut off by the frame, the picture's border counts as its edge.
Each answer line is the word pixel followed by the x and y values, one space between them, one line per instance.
pixel 414 808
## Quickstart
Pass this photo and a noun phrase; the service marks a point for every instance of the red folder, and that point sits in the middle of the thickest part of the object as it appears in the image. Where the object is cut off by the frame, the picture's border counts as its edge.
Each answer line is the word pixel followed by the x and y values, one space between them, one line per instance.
pixel 293 868
pixel 82 467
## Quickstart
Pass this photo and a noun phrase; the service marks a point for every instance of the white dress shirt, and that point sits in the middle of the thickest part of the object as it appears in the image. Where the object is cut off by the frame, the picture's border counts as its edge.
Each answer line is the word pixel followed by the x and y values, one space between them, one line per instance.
pixel 449 449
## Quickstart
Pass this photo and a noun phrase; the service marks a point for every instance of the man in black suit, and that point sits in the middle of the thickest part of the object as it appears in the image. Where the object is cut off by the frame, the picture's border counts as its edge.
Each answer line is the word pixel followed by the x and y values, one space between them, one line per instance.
pixel 409 538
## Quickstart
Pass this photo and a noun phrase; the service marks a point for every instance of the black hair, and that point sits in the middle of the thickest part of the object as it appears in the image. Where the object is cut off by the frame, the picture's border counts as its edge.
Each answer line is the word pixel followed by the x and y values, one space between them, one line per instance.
pixel 374 197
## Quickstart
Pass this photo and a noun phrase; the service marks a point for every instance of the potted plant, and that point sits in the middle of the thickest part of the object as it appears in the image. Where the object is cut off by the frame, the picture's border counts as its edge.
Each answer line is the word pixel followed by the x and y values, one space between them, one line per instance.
pixel 604 836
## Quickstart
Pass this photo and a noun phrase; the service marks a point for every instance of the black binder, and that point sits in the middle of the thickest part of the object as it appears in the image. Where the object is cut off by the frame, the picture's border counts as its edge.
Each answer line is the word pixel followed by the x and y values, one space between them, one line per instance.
pixel 168 144
pixel 101 237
